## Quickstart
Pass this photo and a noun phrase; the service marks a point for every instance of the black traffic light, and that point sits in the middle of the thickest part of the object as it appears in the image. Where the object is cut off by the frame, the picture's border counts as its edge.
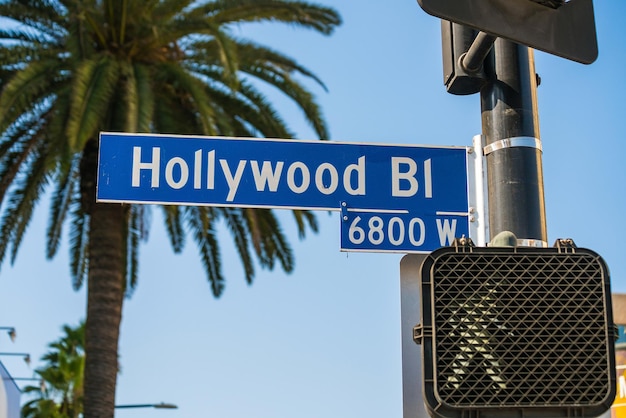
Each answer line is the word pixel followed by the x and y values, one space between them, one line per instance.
pixel 516 332
pixel 559 27
pixel 456 40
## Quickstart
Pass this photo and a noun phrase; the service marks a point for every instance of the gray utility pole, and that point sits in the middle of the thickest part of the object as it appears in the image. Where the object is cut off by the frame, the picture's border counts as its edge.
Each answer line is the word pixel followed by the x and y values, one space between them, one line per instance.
pixel 510 124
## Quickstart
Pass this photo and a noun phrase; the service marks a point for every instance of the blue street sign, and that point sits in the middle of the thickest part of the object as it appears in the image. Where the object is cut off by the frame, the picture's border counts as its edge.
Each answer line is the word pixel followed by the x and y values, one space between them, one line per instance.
pixel 400 231
pixel 272 173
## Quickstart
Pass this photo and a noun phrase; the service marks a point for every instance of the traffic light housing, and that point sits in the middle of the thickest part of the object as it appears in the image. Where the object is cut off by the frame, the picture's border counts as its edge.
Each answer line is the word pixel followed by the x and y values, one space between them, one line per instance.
pixel 516 332
pixel 455 41
pixel 563 28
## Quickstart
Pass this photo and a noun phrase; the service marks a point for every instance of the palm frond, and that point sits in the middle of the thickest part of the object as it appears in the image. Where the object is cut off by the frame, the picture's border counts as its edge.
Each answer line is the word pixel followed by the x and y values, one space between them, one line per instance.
pixel 252 112
pixel 20 205
pixel 293 89
pixel 273 61
pixel 23 89
pixel 41 15
pixel 174 113
pixel 79 249
pixel 23 35
pixel 279 244
pixel 174 228
pixel 215 45
pixel 130 98
pixel 196 95
pixel 29 195
pixel 21 145
pixel 166 10
pixel 270 243
pixel 94 85
pixel 137 232
pixel 236 226
pixel 59 207
pixel 302 14
pixel 303 219
pixel 200 223
pixel 145 97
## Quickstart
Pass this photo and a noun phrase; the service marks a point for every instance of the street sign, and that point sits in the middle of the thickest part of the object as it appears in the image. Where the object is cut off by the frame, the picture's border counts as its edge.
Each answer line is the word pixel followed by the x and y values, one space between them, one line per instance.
pixel 423 186
pixel 400 230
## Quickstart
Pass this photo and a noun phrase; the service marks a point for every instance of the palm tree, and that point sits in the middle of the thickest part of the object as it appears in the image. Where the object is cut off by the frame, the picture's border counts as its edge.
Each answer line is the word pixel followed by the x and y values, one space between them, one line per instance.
pixel 72 68
pixel 61 392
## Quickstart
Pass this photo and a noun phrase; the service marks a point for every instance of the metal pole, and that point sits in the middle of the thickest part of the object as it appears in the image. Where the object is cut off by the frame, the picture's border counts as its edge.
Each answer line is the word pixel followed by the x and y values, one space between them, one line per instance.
pixel 161 405
pixel 510 125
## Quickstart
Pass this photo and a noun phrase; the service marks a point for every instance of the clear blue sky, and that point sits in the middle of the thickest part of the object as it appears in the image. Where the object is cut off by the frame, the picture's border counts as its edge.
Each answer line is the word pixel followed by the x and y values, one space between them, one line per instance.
pixel 325 340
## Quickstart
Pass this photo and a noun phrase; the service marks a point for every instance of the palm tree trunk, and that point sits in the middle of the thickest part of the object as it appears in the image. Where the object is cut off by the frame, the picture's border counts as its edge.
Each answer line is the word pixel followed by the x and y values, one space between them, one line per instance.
pixel 104 308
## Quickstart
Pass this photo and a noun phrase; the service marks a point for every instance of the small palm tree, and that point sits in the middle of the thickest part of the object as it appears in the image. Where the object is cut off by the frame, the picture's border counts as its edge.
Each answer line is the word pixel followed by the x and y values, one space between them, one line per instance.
pixel 72 68
pixel 61 392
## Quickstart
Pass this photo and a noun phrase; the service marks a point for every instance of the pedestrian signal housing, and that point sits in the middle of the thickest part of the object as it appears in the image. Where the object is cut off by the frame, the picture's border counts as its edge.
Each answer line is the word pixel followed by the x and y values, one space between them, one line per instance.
pixel 516 332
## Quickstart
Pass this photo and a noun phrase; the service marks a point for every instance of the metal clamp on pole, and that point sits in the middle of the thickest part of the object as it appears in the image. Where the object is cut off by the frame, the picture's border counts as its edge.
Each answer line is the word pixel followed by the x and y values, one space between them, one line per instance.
pixel 531 242
pixel 517 141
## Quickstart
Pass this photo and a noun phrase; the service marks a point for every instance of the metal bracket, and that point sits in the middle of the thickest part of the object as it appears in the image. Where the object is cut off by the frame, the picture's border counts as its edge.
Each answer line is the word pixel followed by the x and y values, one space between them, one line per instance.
pixel 418 333
pixel 516 141
pixel 478 196
pixel 565 245
pixel 344 211
pixel 463 244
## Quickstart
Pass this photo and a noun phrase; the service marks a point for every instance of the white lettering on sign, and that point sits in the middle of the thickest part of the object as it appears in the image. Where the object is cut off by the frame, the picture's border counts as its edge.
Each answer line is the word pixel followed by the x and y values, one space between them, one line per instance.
pixel 447 231
pixel 210 177
pixel 152 165
pixel 304 173
pixel 331 186
pixel 359 170
pixel 268 175
pixel 396 231
pixel 402 231
pixel 422 232
pixel 183 168
pixel 428 179
pixel 404 182
pixel 232 180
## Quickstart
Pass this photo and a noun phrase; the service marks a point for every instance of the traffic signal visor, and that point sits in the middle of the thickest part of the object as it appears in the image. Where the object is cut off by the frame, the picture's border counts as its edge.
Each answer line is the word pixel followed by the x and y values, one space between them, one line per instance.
pixel 559 27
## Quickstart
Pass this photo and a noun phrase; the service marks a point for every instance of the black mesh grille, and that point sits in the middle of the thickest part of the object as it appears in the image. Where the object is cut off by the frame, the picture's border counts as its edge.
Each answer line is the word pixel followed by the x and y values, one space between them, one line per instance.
pixel 520 330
